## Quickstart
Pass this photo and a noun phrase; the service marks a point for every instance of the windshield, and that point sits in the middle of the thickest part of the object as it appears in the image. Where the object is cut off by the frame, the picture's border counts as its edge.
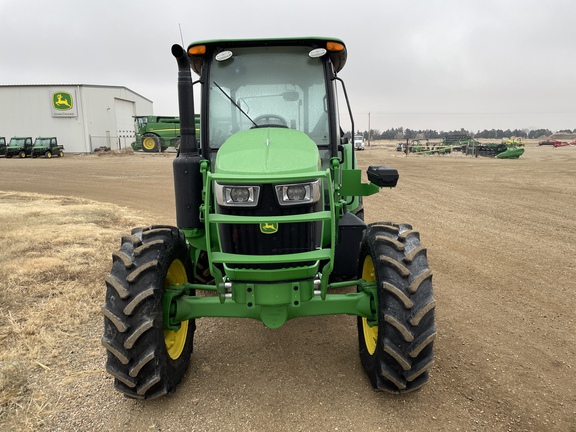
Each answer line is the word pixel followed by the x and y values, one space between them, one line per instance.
pixel 16 141
pixel 140 122
pixel 42 142
pixel 267 86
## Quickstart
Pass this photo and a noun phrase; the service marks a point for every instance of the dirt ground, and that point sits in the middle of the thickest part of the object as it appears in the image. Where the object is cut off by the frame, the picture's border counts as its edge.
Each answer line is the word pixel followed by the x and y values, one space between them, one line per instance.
pixel 501 238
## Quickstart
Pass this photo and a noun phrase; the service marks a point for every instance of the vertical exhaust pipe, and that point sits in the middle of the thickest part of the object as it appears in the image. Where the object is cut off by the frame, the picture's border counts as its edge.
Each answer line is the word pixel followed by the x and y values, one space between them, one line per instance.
pixel 186 167
pixel 188 142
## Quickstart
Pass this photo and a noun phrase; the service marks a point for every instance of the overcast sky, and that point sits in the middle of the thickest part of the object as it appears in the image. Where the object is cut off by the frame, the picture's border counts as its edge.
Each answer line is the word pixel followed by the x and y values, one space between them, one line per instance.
pixel 420 64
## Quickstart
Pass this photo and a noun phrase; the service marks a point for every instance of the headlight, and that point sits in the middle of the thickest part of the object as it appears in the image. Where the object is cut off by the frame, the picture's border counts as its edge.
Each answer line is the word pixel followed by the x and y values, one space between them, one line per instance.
pixel 298 193
pixel 237 195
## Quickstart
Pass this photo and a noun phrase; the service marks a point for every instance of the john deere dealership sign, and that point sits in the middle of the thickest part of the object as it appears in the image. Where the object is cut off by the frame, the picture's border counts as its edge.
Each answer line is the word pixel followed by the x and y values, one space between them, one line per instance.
pixel 63 103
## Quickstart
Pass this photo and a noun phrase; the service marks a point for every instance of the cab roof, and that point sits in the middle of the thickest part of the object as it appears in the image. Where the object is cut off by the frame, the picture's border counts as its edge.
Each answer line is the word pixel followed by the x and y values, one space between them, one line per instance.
pixel 335 48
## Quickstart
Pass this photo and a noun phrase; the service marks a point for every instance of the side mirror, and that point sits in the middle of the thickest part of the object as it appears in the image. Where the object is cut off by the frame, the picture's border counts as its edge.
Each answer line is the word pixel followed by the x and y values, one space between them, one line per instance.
pixel 383 176
pixel 344 140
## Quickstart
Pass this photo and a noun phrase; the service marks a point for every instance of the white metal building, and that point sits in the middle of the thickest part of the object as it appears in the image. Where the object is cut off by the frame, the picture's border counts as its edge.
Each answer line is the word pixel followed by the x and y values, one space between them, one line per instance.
pixel 83 117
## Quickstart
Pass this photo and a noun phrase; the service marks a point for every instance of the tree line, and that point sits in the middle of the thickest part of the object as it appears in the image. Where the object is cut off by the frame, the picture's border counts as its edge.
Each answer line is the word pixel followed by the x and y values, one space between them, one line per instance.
pixel 403 134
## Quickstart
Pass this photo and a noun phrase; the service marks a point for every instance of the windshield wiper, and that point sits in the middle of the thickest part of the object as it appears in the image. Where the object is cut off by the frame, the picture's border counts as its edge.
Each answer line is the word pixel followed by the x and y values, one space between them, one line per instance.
pixel 234 103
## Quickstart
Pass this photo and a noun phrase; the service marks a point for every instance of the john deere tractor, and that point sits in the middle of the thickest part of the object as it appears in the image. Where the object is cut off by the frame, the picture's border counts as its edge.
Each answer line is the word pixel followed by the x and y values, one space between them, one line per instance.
pixel 270 226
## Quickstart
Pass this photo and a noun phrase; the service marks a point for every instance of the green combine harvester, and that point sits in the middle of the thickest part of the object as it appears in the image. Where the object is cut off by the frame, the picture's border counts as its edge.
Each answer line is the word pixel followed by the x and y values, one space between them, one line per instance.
pixel 270 225
pixel 155 134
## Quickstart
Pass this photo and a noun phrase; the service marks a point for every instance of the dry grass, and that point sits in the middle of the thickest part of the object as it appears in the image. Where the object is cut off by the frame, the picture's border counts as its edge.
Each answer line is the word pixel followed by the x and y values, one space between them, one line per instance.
pixel 53 250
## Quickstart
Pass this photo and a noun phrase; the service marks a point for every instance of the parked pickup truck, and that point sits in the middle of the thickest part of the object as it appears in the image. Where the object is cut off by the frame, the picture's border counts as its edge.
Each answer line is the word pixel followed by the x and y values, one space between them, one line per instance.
pixel 359 142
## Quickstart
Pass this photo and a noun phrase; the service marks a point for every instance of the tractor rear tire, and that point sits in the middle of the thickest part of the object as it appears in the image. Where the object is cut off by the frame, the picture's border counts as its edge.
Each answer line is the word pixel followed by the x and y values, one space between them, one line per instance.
pixel 150 143
pixel 397 351
pixel 146 360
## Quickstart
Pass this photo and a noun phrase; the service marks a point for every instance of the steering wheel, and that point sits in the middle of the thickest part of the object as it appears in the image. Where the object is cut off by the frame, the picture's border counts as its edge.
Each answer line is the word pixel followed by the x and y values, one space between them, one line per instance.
pixel 270 120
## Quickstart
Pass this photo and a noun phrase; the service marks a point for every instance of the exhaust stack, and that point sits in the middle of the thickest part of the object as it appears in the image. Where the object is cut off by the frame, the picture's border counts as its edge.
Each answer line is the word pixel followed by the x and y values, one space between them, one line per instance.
pixel 186 167
pixel 188 142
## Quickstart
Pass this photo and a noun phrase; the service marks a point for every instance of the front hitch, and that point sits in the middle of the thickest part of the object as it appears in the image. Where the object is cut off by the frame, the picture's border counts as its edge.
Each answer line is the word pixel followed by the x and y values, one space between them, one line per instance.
pixel 271 304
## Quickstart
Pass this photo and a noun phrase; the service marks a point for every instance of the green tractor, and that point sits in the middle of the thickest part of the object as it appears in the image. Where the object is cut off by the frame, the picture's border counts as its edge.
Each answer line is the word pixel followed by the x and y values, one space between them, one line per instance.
pixel 269 225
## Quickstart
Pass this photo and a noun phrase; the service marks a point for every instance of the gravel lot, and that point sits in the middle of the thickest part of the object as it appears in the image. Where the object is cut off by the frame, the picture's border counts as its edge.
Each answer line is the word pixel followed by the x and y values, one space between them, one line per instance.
pixel 501 238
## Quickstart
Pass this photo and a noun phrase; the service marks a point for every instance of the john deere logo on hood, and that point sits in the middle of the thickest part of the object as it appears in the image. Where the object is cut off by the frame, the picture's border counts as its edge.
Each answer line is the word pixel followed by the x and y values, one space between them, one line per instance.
pixel 62 101
pixel 268 228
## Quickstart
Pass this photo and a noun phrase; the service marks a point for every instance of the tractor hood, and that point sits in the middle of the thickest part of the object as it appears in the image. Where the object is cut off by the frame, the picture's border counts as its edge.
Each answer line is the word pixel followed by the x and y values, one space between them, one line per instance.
pixel 268 151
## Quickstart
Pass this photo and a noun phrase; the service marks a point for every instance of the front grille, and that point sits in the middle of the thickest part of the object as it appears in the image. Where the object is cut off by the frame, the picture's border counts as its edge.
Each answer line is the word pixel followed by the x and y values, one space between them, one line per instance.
pixel 248 239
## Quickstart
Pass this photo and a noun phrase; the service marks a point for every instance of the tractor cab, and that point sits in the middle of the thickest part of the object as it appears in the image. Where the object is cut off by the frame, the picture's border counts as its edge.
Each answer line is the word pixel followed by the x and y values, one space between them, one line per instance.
pixel 278 84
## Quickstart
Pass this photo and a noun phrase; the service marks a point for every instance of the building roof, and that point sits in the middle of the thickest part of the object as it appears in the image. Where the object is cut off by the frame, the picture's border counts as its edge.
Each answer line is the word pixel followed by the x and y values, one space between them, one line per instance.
pixel 76 85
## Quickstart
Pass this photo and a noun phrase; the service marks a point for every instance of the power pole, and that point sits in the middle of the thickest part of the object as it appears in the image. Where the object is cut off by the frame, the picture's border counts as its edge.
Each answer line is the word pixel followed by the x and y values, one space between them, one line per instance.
pixel 369 130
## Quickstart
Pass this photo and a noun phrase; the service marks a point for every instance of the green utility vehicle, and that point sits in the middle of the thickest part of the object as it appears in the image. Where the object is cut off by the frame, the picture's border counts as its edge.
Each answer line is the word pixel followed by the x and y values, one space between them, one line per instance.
pixel 19 146
pixel 269 225
pixel 2 145
pixel 47 147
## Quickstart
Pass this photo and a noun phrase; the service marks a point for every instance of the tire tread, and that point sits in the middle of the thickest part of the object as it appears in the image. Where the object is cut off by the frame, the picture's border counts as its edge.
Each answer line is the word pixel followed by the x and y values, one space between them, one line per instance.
pixel 137 356
pixel 406 306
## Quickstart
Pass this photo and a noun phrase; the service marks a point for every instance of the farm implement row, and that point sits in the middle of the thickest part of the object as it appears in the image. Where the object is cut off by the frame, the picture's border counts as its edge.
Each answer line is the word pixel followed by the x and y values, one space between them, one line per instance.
pixel 510 149
pixel 557 143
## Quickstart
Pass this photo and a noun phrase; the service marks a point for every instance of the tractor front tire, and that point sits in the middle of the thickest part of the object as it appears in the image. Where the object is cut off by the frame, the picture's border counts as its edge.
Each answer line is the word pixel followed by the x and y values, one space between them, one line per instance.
pixel 150 143
pixel 146 360
pixel 397 351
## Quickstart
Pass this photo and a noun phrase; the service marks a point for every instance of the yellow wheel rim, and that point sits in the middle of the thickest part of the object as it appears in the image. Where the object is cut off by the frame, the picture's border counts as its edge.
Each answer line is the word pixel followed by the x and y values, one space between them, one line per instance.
pixel 370 333
pixel 175 340
pixel 148 143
